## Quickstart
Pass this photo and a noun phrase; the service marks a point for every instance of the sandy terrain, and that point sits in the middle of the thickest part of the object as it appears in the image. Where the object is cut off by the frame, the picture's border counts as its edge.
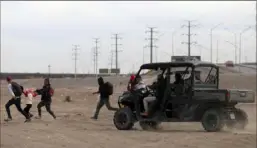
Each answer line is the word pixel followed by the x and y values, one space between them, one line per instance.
pixel 74 128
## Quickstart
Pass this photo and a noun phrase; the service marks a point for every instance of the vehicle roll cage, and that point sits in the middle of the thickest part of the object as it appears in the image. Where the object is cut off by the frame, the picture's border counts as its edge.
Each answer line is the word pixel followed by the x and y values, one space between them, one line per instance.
pixel 193 65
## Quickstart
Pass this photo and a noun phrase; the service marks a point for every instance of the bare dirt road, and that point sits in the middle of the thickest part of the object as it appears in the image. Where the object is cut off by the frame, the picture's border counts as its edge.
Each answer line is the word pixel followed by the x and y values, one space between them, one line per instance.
pixel 74 128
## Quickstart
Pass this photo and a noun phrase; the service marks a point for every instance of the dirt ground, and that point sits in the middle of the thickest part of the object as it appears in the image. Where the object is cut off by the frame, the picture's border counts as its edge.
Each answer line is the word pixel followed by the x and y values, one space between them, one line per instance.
pixel 74 128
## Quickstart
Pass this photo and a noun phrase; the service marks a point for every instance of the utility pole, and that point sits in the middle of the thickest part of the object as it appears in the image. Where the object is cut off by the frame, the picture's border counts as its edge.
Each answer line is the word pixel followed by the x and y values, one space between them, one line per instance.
pixel 172 41
pixel 49 70
pixel 211 39
pixel 256 32
pixel 75 54
pixel 95 54
pixel 151 44
pixel 240 42
pixel 116 37
pixel 111 59
pixel 189 43
pixel 234 44
pixel 217 52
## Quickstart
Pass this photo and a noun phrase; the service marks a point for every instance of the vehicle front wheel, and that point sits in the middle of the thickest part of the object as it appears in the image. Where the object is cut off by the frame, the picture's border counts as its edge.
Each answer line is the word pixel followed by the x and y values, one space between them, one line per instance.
pixel 213 120
pixel 123 119
pixel 147 125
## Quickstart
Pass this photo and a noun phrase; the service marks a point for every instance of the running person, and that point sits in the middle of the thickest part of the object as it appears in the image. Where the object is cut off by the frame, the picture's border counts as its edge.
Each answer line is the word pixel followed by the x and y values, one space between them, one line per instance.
pixel 104 98
pixel 46 98
pixel 29 94
pixel 16 91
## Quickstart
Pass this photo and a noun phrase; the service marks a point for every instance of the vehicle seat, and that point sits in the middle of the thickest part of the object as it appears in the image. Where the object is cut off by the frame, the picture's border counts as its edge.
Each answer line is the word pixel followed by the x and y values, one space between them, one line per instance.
pixel 187 85
pixel 179 89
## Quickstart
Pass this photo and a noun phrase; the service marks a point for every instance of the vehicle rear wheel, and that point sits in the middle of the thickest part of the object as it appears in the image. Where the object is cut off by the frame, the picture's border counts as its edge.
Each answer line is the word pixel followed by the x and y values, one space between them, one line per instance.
pixel 213 120
pixel 241 120
pixel 123 119
pixel 148 125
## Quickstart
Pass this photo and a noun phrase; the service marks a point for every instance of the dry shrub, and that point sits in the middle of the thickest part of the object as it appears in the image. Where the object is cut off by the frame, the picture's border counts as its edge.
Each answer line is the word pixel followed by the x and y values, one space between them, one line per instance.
pixel 68 99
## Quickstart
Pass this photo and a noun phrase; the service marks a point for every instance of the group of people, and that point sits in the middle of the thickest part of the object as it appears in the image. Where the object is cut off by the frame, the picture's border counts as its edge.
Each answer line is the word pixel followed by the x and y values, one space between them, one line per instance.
pixel 17 91
pixel 47 92
pixel 136 83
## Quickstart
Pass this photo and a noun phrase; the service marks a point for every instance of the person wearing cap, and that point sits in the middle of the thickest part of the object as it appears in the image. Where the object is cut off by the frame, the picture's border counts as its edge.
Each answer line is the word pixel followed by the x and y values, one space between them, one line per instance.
pixel 16 91
pixel 103 100
pixel 46 98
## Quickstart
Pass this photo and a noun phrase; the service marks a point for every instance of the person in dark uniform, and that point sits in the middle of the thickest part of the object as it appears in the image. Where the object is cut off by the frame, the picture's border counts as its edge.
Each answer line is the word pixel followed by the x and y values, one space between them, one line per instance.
pixel 16 91
pixel 46 98
pixel 104 98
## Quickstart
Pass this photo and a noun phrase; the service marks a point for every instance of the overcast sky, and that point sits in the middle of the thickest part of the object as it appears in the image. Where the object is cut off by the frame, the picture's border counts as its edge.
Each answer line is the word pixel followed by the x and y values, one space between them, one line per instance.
pixel 36 34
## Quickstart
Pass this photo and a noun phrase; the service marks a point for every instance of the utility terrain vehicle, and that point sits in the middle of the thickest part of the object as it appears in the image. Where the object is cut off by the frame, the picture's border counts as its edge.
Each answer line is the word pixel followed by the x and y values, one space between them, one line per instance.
pixel 197 99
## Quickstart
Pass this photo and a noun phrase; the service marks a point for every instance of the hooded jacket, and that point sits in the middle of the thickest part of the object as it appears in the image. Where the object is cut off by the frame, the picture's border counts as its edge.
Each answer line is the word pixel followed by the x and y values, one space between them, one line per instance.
pixel 102 90
pixel 46 93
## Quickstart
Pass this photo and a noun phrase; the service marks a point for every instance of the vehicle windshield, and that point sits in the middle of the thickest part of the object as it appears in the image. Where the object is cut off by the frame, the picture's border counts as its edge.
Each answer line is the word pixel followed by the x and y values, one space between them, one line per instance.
pixel 206 75
pixel 184 71
pixel 149 75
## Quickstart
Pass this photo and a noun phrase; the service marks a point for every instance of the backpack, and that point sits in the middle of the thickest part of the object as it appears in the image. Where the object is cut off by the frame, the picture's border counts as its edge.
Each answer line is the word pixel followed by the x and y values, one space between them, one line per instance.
pixel 17 89
pixel 109 88
pixel 51 91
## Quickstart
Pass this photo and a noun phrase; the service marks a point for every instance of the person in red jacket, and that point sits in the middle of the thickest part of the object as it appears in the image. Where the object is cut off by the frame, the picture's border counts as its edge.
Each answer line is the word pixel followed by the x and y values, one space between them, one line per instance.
pixel 29 94
pixel 130 83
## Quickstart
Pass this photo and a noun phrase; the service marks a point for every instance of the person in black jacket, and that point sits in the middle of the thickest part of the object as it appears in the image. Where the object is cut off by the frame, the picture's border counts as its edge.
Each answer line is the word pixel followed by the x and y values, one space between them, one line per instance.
pixel 46 98
pixel 16 91
pixel 104 98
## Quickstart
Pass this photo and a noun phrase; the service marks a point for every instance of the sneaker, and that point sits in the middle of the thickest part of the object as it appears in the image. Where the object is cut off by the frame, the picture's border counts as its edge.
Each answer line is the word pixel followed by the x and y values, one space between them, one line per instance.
pixel 27 120
pixel 31 115
pixel 94 118
pixel 38 117
pixel 8 119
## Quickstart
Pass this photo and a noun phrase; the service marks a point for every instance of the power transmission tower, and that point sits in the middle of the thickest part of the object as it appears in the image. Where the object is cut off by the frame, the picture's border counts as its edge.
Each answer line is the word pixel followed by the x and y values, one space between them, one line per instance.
pixel 75 54
pixel 256 31
pixel 189 34
pixel 116 38
pixel 111 59
pixel 49 70
pixel 217 52
pixel 95 55
pixel 151 44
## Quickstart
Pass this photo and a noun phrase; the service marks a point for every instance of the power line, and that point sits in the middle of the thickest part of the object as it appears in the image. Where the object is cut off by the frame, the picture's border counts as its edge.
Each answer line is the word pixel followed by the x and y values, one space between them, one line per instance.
pixel 75 54
pixel 189 43
pixel 151 44
pixel 95 55
pixel 116 38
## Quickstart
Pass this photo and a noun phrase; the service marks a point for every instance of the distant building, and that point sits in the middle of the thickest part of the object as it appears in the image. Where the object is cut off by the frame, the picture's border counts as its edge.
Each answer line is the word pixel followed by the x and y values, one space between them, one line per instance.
pixel 185 58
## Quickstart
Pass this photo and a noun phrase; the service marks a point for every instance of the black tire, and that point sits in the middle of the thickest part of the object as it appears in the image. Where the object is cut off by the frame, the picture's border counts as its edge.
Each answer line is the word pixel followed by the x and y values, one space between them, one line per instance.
pixel 213 120
pixel 127 120
pixel 240 122
pixel 148 125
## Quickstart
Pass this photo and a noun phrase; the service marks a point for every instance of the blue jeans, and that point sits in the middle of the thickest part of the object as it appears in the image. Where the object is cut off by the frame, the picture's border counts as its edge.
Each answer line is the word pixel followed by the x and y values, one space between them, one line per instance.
pixel 103 101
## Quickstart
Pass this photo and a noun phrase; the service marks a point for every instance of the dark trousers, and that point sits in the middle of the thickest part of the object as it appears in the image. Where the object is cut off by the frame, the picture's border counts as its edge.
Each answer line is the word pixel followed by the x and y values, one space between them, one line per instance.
pixel 101 103
pixel 27 108
pixel 47 105
pixel 17 103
